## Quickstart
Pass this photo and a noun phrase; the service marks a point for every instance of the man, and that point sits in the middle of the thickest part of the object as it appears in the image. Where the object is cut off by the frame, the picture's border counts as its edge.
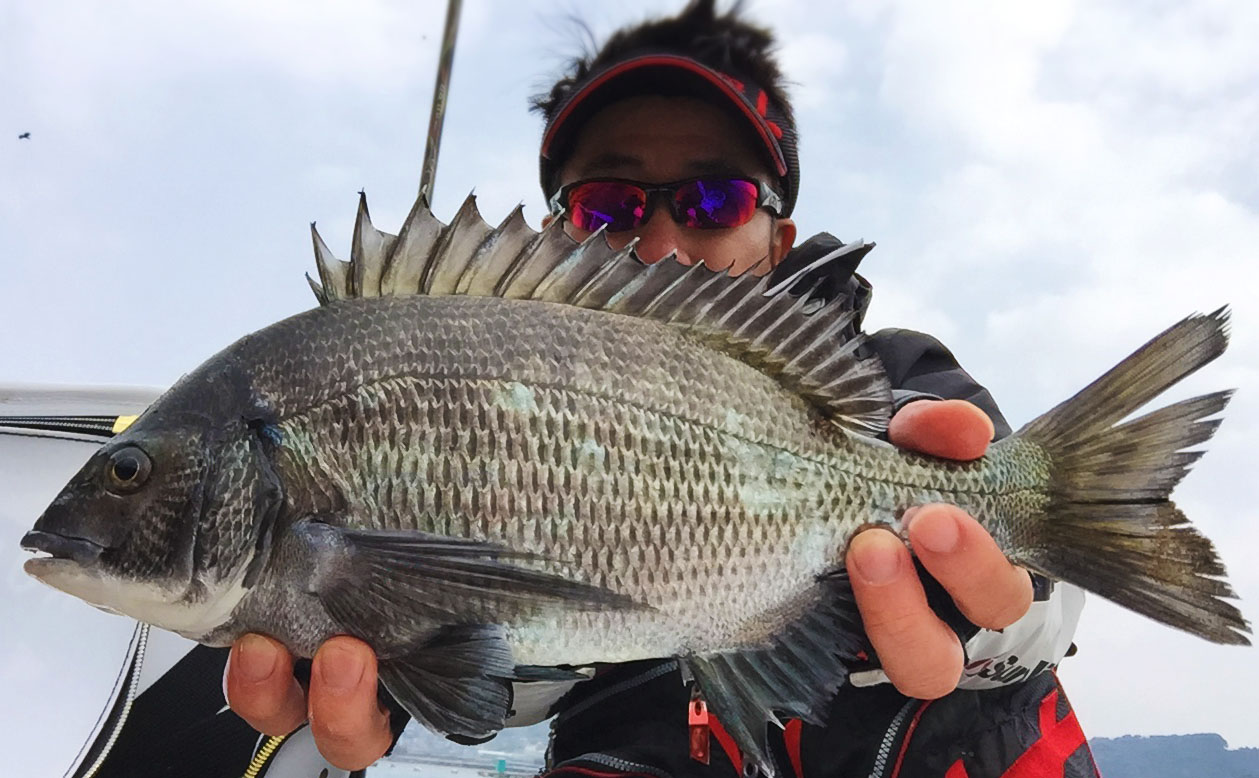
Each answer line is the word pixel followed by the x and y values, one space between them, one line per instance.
pixel 677 134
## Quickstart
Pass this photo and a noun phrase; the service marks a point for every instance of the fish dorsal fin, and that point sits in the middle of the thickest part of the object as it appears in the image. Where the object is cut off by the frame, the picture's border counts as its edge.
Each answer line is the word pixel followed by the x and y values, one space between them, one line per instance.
pixel 808 346
pixel 365 276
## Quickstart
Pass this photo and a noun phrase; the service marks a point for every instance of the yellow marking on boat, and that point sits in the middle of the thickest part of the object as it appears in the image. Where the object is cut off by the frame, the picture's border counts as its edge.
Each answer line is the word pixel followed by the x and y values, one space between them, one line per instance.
pixel 122 422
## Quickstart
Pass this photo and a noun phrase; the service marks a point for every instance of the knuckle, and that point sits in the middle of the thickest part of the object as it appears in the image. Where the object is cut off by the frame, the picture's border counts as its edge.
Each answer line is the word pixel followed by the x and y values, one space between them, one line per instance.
pixel 927 688
pixel 894 625
pixel 270 718
pixel 930 677
pixel 347 723
pixel 351 744
pixel 998 607
pixel 341 732
pixel 250 702
pixel 1003 614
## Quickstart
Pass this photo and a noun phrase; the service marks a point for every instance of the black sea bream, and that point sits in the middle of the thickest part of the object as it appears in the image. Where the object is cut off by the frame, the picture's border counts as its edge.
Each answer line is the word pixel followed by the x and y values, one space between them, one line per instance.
pixel 497 455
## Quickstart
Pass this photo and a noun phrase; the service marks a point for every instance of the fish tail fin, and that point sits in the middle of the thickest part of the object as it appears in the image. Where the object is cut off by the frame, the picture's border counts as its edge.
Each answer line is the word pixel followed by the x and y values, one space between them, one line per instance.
pixel 1109 525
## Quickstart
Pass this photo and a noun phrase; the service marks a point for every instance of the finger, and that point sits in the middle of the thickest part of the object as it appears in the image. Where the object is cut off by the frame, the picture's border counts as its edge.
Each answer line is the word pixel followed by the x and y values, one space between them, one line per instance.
pixel 965 559
pixel 920 654
pixel 953 429
pixel 350 726
pixel 260 686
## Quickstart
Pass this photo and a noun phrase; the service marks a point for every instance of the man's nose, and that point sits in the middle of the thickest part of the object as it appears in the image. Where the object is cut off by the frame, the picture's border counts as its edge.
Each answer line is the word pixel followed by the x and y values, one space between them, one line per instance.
pixel 660 236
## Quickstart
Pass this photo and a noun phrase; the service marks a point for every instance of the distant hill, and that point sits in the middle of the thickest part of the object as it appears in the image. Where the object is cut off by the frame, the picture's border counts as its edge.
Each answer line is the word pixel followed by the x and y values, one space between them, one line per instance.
pixel 1173 756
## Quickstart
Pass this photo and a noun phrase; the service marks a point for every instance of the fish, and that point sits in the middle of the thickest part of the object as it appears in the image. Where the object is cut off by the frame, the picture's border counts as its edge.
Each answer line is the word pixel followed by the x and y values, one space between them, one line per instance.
pixel 499 456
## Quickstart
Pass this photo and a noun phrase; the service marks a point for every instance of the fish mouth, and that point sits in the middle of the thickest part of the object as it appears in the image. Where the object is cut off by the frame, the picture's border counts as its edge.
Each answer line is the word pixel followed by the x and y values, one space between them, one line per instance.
pixel 62 547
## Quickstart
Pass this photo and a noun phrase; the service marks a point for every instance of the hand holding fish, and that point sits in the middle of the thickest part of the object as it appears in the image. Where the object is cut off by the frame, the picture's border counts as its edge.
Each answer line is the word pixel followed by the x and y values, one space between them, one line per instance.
pixel 920 654
pixel 350 726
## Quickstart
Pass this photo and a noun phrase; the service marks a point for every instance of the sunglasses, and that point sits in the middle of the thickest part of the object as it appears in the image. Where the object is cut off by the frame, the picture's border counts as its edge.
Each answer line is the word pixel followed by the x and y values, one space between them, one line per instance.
pixel 704 203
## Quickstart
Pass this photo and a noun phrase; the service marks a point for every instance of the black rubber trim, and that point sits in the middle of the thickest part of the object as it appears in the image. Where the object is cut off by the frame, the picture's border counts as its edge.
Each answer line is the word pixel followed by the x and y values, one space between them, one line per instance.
pixel 101 426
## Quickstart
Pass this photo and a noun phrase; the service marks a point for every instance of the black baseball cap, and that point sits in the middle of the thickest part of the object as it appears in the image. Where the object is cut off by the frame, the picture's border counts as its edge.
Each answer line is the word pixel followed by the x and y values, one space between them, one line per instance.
pixel 672 74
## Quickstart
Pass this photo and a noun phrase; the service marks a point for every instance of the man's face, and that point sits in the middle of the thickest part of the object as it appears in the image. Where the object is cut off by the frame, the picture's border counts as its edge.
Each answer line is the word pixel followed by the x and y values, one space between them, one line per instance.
pixel 655 140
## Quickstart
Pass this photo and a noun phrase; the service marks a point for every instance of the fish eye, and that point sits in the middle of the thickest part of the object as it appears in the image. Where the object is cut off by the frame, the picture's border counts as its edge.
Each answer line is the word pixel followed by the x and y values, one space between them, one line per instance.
pixel 127 469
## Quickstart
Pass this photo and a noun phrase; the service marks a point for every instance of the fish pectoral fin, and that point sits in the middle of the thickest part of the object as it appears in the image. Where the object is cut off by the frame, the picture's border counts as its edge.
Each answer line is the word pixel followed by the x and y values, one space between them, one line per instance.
pixel 367 577
pixel 796 675
pixel 456 682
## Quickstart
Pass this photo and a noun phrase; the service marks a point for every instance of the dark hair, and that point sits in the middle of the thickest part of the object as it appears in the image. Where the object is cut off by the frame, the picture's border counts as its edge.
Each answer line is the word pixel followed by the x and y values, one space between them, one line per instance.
pixel 725 42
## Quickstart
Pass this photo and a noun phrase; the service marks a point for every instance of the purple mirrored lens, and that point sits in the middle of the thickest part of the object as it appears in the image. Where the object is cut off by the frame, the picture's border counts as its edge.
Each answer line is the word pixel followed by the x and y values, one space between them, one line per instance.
pixel 709 203
pixel 596 203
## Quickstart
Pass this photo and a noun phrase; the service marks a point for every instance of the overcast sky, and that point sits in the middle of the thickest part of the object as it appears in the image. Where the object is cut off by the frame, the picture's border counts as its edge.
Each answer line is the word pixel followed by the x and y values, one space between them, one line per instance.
pixel 1049 183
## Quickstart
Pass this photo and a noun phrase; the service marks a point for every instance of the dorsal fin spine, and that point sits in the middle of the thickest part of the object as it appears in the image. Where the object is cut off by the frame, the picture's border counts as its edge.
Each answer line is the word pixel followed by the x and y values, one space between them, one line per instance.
pixel 808 352
pixel 332 271
pixel 568 271
pixel 688 305
pixel 788 311
pixel 584 295
pixel 653 305
pixel 826 333
pixel 474 274
pixel 544 247
pixel 760 305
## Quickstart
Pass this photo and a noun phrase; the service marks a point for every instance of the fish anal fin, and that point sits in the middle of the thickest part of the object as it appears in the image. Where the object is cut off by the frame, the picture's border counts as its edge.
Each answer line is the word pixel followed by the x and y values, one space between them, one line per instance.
pixel 796 675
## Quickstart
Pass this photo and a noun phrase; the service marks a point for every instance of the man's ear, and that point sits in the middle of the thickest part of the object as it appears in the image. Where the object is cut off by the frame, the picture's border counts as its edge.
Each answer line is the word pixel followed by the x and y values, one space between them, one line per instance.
pixel 781 241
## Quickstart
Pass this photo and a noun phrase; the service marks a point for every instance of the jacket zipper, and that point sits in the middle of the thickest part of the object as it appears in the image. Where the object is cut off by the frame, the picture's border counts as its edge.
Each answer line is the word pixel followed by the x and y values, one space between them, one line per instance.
pixel 265 752
pixel 614 762
pixel 883 760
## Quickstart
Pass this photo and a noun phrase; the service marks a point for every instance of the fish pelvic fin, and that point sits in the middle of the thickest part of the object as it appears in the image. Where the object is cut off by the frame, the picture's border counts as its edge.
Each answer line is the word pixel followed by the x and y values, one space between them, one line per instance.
pixel 1109 525
pixel 812 348
pixel 456 682
pixel 795 676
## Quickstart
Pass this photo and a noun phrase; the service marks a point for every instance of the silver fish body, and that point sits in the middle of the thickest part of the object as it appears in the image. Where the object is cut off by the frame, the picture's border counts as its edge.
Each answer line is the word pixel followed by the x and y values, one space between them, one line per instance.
pixel 496 455
pixel 694 485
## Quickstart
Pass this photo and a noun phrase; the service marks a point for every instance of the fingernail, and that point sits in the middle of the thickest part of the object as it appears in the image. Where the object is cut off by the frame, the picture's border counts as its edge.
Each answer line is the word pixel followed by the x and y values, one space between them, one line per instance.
pixel 936 531
pixel 907 518
pixel 340 669
pixel 876 557
pixel 256 658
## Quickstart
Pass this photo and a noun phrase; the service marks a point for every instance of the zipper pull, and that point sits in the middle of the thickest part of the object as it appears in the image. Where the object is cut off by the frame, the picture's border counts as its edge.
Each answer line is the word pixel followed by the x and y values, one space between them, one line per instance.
pixel 697 717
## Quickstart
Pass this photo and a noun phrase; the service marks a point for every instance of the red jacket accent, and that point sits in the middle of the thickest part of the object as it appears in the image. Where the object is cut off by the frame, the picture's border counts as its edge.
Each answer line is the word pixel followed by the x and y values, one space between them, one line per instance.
pixel 1058 740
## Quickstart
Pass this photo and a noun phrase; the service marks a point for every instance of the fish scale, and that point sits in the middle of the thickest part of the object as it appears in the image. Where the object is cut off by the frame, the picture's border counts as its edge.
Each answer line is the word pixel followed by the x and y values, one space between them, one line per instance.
pixel 735 490
pixel 495 455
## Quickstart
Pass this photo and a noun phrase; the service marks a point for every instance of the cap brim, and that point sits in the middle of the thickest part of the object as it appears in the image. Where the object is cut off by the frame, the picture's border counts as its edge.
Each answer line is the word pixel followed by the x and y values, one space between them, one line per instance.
pixel 632 75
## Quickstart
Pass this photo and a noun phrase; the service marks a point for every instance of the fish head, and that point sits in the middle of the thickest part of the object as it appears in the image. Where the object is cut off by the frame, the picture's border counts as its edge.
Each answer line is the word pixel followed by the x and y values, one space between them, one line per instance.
pixel 161 523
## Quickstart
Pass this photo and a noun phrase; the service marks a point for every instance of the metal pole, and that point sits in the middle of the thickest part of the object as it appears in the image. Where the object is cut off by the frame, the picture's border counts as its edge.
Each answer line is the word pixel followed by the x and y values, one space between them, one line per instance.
pixel 440 88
